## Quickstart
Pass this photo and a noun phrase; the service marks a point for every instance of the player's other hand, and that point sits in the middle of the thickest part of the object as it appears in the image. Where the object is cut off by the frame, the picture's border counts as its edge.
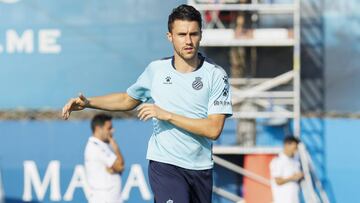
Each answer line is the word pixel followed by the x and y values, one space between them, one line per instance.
pixel 147 111
pixel 74 104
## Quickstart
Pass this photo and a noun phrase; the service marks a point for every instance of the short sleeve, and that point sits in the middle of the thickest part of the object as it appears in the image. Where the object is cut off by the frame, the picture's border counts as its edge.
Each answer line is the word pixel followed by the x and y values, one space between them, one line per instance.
pixel 108 157
pixel 141 89
pixel 220 95
pixel 275 168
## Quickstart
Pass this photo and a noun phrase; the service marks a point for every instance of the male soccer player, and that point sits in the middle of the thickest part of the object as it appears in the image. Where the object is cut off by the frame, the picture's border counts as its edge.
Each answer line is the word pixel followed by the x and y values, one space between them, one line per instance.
pixel 286 173
pixel 188 98
pixel 103 162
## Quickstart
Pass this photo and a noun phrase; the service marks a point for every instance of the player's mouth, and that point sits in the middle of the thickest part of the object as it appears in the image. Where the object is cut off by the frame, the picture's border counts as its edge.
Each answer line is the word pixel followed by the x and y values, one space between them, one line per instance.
pixel 189 49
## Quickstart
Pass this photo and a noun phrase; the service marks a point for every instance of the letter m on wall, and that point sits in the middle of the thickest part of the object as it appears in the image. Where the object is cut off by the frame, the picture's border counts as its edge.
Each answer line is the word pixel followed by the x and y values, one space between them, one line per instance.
pixel 32 180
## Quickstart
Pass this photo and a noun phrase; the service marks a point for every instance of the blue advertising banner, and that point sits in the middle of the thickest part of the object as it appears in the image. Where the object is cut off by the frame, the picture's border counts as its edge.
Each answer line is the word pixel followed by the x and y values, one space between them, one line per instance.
pixel 43 161
pixel 55 49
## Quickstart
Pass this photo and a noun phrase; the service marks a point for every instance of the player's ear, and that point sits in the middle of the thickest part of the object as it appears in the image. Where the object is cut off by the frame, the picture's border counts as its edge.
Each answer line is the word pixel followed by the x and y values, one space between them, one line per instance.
pixel 169 36
pixel 98 128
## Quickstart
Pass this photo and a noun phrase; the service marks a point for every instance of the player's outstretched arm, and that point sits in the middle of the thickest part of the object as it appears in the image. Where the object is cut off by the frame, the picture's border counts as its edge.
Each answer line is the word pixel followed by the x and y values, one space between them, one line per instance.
pixel 209 127
pixel 110 102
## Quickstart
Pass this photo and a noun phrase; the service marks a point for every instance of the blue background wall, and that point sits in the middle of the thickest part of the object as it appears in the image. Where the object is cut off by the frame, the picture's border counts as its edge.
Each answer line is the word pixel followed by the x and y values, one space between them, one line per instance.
pixel 105 45
pixel 41 141
pixel 45 141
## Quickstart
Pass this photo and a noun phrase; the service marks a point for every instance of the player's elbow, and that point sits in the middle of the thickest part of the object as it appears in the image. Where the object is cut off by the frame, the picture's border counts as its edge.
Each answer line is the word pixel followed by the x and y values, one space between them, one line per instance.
pixel 118 167
pixel 214 133
pixel 131 103
pixel 215 126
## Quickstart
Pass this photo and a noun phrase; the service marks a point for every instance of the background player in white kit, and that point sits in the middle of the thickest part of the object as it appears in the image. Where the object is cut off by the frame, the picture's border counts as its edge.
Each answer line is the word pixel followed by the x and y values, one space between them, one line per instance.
pixel 286 173
pixel 103 162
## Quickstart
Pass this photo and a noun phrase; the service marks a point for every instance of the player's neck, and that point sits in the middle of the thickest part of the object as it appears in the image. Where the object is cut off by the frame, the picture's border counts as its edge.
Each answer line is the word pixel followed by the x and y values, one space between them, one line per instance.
pixel 186 66
pixel 288 154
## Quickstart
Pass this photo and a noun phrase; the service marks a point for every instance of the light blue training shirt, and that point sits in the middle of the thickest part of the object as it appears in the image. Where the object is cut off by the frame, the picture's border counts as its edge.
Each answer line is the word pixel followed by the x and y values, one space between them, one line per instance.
pixel 197 94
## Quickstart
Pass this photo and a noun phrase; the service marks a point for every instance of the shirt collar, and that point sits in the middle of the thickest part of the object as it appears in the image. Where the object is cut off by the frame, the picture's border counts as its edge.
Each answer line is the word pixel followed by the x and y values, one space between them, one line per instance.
pixel 201 58
pixel 283 155
pixel 97 141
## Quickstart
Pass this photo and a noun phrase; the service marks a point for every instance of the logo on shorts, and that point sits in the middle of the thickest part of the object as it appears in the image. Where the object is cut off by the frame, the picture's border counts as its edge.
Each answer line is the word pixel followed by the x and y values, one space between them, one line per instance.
pixel 167 80
pixel 170 201
pixel 197 84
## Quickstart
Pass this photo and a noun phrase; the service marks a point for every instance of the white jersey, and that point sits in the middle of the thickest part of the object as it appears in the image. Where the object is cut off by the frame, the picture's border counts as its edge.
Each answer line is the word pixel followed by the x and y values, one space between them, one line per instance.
pixel 284 167
pixel 105 187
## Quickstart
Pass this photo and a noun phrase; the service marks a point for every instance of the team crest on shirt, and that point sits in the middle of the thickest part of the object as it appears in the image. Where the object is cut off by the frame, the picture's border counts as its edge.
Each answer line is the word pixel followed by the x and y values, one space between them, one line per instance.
pixel 197 84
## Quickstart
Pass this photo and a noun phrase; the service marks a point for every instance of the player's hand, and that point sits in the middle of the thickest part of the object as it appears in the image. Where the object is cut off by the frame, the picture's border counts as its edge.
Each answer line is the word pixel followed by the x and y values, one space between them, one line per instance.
pixel 112 143
pixel 147 111
pixel 298 176
pixel 110 170
pixel 74 104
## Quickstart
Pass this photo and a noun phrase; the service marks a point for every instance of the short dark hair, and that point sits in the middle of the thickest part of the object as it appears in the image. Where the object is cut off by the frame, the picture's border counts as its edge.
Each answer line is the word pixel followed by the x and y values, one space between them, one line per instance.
pixel 291 139
pixel 99 120
pixel 184 12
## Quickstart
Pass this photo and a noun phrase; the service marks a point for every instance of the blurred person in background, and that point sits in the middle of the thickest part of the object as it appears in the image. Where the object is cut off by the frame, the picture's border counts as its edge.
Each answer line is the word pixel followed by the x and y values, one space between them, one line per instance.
pixel 2 195
pixel 103 162
pixel 188 98
pixel 286 173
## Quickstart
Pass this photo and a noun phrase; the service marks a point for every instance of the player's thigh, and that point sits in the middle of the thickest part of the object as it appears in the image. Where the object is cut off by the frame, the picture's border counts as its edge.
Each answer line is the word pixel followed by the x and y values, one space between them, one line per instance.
pixel 201 190
pixel 168 183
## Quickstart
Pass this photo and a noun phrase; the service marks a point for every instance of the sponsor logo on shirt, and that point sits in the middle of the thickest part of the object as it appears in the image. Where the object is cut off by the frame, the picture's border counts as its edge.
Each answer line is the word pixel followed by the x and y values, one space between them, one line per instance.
pixel 222 103
pixel 221 100
pixel 197 84
pixel 167 80
pixel 225 91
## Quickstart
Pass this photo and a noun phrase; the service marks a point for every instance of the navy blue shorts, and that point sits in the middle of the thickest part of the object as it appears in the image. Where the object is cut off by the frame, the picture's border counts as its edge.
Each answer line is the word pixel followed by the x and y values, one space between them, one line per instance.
pixel 173 184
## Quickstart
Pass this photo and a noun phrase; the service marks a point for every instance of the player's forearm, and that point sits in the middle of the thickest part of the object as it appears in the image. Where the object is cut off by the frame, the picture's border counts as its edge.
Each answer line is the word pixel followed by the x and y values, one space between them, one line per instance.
pixel 281 181
pixel 119 156
pixel 207 127
pixel 119 164
pixel 113 102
